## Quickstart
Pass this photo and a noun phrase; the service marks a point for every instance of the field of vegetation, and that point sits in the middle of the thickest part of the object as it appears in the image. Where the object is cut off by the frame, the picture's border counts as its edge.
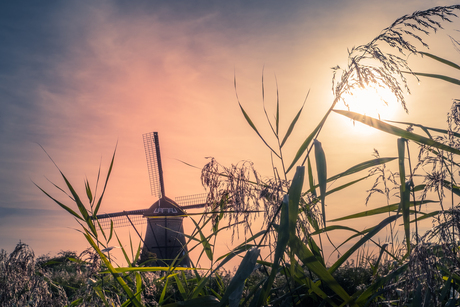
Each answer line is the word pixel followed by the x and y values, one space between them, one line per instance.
pixel 415 269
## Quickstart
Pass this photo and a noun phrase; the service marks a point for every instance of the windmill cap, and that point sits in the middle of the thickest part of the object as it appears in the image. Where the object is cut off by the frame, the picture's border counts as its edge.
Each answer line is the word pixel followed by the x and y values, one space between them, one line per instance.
pixel 164 207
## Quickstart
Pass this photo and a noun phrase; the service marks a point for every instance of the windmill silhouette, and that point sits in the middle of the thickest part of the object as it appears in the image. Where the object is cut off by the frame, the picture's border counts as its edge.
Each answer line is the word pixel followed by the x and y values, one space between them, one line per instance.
pixel 164 238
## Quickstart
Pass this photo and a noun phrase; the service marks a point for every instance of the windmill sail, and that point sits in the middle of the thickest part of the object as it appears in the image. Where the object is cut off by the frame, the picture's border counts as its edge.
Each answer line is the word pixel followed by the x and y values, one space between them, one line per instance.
pixel 155 169
pixel 122 219
pixel 192 201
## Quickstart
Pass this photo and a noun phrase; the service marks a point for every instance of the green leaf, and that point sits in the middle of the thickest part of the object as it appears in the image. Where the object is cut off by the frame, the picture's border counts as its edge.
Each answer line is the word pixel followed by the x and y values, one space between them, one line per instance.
pixel 380 125
pixel 112 270
pixel 105 184
pixel 401 160
pixel 333 227
pixel 80 205
pixel 283 238
pixel 111 231
pixel 293 123
pixel 346 185
pixel 405 205
pixel 380 210
pixel 310 179
pixel 306 143
pixel 362 241
pixel 373 290
pixel 246 116
pixel 138 286
pixel 425 128
pixel 355 169
pixel 321 169
pixel 277 117
pixel 444 61
pixel 204 241
pixel 236 286
pixel 124 251
pixel 88 191
pixel 295 192
pixel 440 77
pixel 309 260
pixel 362 166
pixel 60 204
pixel 180 286
pixel 163 292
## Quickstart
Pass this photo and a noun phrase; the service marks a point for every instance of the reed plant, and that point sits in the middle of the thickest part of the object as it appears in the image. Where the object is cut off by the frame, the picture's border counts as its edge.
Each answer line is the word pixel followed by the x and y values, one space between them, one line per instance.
pixel 423 270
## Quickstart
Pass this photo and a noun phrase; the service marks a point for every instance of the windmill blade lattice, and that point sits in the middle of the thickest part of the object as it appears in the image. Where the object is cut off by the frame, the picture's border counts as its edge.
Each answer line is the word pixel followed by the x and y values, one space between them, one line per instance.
pixel 122 219
pixel 152 154
pixel 192 201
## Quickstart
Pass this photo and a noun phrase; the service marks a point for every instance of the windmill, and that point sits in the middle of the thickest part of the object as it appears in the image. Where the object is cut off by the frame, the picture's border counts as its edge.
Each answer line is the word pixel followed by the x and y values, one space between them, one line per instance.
pixel 164 235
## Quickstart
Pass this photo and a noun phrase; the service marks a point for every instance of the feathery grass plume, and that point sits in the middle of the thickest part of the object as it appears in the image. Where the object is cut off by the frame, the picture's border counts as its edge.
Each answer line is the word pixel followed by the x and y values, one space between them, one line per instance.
pixel 371 65
pixel 241 190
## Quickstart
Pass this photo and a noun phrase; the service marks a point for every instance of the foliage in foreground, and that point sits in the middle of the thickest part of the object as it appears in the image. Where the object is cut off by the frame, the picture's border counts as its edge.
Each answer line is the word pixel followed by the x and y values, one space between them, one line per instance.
pixel 422 270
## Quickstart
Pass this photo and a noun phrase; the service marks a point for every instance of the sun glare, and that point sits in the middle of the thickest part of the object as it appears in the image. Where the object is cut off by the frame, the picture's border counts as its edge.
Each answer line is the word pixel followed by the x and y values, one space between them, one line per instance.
pixel 378 102
pixel 375 102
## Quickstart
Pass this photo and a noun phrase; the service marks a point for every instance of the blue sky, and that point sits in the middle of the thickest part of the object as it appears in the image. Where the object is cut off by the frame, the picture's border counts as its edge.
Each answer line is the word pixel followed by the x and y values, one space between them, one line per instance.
pixel 78 77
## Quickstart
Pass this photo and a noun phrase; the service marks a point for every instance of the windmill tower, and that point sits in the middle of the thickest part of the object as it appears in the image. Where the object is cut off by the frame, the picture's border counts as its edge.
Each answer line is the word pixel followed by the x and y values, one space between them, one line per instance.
pixel 164 235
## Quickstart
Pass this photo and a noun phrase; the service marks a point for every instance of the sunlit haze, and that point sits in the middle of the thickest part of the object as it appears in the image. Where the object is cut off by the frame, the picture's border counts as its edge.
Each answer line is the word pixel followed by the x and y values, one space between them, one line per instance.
pixel 83 79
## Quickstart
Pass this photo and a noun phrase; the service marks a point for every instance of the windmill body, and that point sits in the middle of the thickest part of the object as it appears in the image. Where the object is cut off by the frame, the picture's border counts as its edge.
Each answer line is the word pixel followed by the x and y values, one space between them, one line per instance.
pixel 164 241
pixel 164 235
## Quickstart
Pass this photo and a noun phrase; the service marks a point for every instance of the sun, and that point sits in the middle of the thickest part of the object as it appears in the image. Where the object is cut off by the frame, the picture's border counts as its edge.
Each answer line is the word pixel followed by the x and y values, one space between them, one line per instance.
pixel 377 102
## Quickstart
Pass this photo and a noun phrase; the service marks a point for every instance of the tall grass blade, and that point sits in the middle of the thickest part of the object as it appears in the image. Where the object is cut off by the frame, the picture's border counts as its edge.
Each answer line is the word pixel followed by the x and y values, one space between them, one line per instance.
pixel 372 291
pixel 321 169
pixel 124 251
pixel 309 260
pixel 444 61
pixel 362 241
pixel 306 143
pixel 380 210
pixel 60 204
pixel 180 286
pixel 346 185
pixel 283 239
pixel 440 77
pixel 204 241
pixel 316 250
pixel 405 205
pixel 425 128
pixel 277 117
pixel 333 227
pixel 105 184
pixel 80 205
pixel 248 119
pixel 112 270
pixel 295 192
pixel 401 160
pixel 311 181
pixel 293 123
pixel 235 288
pixel 88 191
pixel 163 292
pixel 138 286
pixel 355 169
pixel 380 125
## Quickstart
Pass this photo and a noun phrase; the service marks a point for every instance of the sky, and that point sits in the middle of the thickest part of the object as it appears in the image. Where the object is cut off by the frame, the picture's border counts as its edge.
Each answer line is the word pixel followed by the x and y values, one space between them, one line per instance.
pixel 83 78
